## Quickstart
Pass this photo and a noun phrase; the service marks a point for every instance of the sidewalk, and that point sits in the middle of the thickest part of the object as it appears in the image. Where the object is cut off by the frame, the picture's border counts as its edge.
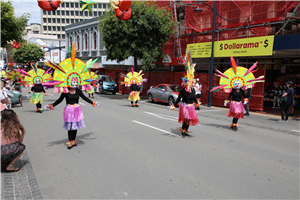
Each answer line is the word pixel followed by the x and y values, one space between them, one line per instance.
pixel 21 184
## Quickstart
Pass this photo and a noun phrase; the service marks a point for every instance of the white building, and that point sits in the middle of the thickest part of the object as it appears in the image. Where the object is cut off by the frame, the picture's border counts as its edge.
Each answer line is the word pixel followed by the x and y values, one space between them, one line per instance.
pixel 54 49
pixel 33 28
pixel 69 12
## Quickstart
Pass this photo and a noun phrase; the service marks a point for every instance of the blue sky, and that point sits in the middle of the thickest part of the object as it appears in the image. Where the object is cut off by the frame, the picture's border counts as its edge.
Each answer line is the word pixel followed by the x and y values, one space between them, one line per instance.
pixel 29 6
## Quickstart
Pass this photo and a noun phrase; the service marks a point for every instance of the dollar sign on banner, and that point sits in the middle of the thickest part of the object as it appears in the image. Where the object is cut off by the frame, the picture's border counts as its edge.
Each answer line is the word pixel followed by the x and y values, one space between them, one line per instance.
pixel 221 46
pixel 266 43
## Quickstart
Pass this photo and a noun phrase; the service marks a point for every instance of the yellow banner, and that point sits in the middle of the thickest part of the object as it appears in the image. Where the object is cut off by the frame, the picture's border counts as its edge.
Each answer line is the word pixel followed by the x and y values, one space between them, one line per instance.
pixel 257 46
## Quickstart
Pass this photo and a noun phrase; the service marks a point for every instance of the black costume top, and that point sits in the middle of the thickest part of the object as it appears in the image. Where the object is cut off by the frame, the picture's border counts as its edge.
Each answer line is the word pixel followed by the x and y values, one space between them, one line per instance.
pixel 134 87
pixel 236 96
pixel 16 84
pixel 72 98
pixel 38 88
pixel 187 97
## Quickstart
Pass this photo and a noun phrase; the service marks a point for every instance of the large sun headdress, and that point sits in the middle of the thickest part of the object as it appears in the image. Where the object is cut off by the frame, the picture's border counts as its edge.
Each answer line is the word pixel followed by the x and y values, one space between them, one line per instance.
pixel 16 76
pixel 190 69
pixel 3 73
pixel 133 77
pixel 36 76
pixel 237 77
pixel 71 73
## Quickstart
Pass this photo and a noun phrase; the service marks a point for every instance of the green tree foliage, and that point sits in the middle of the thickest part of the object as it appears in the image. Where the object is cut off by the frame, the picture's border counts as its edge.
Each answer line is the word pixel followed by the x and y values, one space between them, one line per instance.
pixel 11 27
pixel 142 36
pixel 28 53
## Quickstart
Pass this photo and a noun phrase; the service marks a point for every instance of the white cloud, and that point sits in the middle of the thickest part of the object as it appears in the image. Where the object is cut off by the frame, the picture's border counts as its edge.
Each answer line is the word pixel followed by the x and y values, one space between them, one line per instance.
pixel 28 6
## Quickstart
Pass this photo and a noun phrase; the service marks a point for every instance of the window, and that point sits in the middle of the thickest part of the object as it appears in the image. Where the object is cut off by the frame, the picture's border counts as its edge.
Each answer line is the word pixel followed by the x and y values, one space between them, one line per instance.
pixel 45 20
pixel 67 5
pixel 49 12
pixel 58 12
pixel 68 21
pixel 62 5
pixel 58 36
pixel 63 21
pixel 54 20
pixel 72 21
pixel 62 12
pixel 99 13
pixel 70 41
pixel 45 28
pixel 72 13
pixel 44 12
pixel 95 40
pixel 72 5
pixel 53 13
pixel 58 28
pixel 76 13
pixel 104 5
pixel 76 5
pixel 81 13
pixel 86 13
pixel 100 5
pixel 67 13
pixel 76 20
pixel 49 28
pixel 49 20
pixel 63 36
pixel 95 5
pixel 86 41
pixel 161 87
pixel 63 28
pixel 58 20
pixel 91 14
pixel 81 20
pixel 54 28
pixel 95 14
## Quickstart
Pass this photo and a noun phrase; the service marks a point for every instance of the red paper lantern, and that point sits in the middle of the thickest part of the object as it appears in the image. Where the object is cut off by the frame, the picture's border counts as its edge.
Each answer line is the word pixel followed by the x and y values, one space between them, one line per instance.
pixel 49 5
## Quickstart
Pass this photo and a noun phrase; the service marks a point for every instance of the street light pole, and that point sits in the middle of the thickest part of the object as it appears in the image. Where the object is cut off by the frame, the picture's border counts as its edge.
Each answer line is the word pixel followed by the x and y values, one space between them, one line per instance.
pixel 214 9
pixel 212 57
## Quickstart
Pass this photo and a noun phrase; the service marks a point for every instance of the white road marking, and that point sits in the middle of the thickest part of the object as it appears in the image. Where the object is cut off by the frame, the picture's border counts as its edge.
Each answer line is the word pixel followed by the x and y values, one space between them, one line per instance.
pixel 156 128
pixel 81 103
pixel 160 116
pixel 296 130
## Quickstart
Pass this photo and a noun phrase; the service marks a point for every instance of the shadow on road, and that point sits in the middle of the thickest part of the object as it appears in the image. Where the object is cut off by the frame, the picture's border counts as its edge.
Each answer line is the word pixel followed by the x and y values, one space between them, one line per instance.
pixel 79 139
pixel 219 126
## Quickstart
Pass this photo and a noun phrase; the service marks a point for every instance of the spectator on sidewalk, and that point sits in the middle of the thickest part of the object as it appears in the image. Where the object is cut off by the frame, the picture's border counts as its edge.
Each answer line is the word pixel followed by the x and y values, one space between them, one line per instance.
pixel 294 103
pixel 12 135
pixel 286 102
pixel 4 98
pixel 248 96
pixel 17 98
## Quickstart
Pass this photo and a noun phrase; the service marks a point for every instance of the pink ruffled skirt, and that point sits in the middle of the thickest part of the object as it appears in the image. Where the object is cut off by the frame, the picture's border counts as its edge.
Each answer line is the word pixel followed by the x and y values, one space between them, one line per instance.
pixel 236 110
pixel 73 117
pixel 187 114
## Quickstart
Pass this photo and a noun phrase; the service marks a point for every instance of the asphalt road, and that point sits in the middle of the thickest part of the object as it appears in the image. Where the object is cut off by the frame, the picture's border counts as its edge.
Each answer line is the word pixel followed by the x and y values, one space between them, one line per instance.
pixel 137 153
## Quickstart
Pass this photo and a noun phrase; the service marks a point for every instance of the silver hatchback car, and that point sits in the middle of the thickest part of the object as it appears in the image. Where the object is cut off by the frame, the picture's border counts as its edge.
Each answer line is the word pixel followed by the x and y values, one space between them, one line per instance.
pixel 167 93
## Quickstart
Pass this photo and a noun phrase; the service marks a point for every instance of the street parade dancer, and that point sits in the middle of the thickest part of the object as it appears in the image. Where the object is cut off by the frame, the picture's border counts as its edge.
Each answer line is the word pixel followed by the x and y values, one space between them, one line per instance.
pixel 187 112
pixel 91 91
pixel 133 80
pixel 72 73
pixel 37 79
pixel 235 80
pixel 16 78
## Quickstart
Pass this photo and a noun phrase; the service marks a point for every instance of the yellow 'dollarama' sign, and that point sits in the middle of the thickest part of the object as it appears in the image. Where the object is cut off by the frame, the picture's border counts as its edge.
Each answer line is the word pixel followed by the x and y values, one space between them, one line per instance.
pixel 257 46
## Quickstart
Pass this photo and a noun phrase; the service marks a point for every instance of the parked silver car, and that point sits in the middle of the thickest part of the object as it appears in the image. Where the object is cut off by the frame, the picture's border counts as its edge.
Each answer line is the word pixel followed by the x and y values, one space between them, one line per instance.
pixel 163 93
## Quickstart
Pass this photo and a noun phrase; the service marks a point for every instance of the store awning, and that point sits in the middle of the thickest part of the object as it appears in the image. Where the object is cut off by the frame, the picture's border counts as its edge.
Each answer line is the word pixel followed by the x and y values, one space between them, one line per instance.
pixel 287 45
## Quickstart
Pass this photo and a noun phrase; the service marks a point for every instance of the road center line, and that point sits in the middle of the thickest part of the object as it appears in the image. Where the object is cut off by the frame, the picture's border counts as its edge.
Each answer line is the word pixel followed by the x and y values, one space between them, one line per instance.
pixel 156 128
pixel 296 130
